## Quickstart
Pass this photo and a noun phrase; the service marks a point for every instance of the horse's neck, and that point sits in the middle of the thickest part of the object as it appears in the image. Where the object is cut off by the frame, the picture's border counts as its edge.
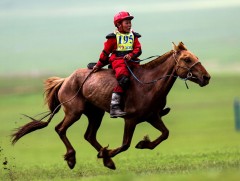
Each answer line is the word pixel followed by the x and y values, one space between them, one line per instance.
pixel 162 67
pixel 166 70
pixel 170 76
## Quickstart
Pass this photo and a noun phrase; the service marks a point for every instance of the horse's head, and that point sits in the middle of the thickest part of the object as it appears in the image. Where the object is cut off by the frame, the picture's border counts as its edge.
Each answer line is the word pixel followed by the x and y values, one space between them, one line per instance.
pixel 188 66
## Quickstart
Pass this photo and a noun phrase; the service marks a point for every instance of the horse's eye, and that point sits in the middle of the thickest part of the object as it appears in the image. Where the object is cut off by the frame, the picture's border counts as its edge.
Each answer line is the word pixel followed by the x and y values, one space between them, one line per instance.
pixel 187 60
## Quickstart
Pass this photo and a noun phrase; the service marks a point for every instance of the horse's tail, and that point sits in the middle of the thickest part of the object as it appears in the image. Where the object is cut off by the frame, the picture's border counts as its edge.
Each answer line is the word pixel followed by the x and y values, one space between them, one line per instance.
pixel 52 86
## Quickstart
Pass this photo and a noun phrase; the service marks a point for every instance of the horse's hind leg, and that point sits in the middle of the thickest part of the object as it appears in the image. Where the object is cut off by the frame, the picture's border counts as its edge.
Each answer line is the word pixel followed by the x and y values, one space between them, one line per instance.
pixel 61 129
pixel 157 123
pixel 127 138
pixel 95 116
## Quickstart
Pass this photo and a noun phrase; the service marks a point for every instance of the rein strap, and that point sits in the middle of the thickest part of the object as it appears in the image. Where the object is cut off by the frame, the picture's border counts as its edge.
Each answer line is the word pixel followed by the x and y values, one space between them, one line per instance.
pixel 151 82
pixel 189 75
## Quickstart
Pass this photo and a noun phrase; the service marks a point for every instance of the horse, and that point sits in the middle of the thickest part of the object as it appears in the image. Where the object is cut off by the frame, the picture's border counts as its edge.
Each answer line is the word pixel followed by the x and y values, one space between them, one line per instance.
pixel 88 93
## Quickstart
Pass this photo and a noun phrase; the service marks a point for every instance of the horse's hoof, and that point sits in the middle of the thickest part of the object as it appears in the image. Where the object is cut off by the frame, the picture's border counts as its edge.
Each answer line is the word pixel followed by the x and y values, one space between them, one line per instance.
pixel 109 163
pixel 164 112
pixel 71 163
pixel 142 144
pixel 71 159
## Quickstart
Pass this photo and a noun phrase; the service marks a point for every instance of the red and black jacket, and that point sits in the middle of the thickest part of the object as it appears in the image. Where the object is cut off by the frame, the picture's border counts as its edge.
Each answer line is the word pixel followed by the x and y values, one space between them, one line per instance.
pixel 110 46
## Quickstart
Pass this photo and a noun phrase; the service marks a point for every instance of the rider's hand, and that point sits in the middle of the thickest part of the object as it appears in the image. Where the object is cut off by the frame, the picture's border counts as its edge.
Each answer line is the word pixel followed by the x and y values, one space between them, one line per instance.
pixel 96 68
pixel 127 57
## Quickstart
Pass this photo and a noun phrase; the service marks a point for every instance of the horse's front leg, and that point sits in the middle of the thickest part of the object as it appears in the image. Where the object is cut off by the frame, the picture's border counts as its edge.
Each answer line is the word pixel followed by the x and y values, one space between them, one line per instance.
pixel 127 138
pixel 157 123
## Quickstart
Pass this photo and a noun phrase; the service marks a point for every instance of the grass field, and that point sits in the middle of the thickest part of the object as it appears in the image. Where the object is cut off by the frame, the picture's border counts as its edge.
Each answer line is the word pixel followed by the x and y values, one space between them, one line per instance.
pixel 203 143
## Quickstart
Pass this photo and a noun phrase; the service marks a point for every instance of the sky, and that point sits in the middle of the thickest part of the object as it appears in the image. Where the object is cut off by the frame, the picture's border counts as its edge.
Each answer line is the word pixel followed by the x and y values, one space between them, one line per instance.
pixel 11 9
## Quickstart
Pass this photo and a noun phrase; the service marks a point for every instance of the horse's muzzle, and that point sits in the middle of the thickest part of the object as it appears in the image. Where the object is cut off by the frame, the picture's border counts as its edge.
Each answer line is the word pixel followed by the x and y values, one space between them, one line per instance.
pixel 204 80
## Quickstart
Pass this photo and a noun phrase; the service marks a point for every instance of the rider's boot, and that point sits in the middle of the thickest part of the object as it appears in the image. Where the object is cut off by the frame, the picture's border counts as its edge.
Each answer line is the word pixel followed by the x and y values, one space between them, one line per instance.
pixel 115 109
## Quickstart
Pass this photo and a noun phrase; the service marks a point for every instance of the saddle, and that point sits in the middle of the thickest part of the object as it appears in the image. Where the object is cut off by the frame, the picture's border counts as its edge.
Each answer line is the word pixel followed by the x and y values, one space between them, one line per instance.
pixel 91 65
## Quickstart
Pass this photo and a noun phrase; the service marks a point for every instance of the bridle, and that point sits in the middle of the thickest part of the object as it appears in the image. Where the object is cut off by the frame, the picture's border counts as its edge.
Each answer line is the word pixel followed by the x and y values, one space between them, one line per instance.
pixel 189 69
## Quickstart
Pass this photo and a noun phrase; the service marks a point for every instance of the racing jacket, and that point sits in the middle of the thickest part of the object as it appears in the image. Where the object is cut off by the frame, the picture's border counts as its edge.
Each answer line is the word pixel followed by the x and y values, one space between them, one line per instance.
pixel 118 45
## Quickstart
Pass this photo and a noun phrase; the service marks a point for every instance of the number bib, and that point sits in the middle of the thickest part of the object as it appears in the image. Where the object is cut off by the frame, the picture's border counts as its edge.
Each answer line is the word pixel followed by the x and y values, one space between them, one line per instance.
pixel 124 41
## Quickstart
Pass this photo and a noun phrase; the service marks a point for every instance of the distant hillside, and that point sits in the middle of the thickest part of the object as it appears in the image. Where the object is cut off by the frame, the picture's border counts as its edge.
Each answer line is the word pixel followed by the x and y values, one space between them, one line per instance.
pixel 56 37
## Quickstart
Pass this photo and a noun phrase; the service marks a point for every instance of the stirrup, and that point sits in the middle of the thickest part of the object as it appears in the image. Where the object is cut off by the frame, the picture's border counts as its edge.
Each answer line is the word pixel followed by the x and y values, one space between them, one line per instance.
pixel 118 115
pixel 91 65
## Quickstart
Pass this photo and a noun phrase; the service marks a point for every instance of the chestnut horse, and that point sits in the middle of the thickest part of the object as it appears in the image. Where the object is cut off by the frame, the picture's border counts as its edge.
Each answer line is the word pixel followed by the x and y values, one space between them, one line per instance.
pixel 84 92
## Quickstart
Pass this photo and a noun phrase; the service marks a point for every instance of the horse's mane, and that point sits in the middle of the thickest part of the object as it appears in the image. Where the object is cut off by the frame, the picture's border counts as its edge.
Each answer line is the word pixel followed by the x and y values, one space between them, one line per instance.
pixel 157 61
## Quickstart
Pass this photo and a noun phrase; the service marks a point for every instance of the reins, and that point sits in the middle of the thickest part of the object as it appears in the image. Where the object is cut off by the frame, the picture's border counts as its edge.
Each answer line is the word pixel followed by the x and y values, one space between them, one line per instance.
pixel 137 79
pixel 189 74
pixel 138 61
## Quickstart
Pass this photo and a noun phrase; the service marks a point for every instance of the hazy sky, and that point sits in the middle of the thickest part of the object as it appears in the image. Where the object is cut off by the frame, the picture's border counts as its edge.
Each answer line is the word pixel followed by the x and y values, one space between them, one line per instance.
pixel 80 8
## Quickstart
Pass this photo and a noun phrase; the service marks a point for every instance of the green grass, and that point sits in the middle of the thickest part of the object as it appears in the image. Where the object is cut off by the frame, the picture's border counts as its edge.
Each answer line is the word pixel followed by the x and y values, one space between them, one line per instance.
pixel 203 143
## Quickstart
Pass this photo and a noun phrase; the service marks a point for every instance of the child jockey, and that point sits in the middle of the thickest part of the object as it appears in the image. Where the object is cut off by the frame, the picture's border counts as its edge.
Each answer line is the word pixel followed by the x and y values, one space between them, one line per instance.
pixel 121 45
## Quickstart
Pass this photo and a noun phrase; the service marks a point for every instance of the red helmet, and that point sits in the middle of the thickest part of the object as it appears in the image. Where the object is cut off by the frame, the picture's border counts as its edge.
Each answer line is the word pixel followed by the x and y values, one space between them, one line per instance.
pixel 121 16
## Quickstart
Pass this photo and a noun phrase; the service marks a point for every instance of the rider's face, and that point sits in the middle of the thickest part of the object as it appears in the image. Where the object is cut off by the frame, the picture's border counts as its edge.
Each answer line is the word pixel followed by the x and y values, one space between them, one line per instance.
pixel 126 26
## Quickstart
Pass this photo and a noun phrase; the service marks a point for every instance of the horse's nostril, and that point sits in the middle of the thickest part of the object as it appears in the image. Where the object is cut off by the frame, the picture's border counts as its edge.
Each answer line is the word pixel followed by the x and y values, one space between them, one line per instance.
pixel 206 77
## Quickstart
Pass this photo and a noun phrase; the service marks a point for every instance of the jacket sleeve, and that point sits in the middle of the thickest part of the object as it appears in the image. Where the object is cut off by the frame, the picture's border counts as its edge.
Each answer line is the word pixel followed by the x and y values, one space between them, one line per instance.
pixel 108 48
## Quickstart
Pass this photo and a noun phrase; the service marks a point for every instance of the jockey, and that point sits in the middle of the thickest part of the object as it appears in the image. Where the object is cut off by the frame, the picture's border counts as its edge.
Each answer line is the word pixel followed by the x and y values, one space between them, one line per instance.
pixel 121 45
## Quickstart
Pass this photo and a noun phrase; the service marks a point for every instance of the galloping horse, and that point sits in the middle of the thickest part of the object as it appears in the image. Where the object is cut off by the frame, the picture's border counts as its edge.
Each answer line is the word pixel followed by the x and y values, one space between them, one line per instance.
pixel 90 94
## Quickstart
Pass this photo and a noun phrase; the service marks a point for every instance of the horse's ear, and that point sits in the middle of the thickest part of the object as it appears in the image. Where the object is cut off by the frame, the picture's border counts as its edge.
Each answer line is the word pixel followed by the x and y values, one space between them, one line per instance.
pixel 175 47
pixel 181 46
